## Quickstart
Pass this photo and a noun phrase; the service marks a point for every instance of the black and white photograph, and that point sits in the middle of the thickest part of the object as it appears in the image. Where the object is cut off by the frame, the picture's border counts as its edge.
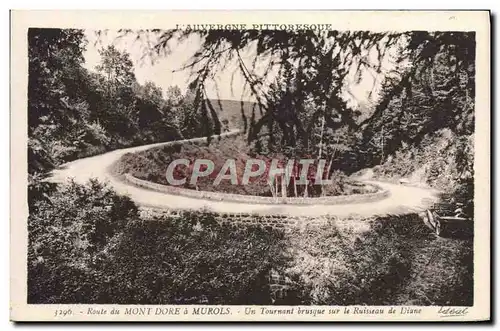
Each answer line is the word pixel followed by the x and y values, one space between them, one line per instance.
pixel 279 168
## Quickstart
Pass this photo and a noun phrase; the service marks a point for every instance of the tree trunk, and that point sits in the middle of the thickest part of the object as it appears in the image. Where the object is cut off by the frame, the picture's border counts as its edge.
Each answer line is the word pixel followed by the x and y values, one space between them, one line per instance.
pixel 382 143
pixel 328 169
pixel 432 80
pixel 320 153
pixel 283 186
pixel 330 162
pixel 271 186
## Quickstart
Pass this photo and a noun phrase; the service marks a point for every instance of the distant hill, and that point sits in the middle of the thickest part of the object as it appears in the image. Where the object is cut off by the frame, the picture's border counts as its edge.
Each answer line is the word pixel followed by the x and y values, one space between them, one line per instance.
pixel 231 110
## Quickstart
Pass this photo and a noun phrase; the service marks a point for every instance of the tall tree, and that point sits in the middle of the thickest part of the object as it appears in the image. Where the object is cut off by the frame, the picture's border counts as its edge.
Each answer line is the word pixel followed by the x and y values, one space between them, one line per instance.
pixel 117 79
pixel 54 56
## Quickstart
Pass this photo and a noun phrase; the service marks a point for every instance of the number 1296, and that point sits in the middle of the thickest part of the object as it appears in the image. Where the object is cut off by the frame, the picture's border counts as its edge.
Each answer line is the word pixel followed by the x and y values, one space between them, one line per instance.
pixel 63 312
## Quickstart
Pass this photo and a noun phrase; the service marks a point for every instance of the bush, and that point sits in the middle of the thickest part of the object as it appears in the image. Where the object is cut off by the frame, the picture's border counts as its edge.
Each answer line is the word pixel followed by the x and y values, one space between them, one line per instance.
pixel 152 164
pixel 89 245
pixel 68 232
pixel 396 261
pixel 443 160
pixel 191 260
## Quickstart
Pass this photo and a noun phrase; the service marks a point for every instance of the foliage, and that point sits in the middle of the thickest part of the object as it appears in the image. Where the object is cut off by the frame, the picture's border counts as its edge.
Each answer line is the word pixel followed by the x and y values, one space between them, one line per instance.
pixel 442 160
pixel 396 261
pixel 316 62
pixel 89 245
pixel 74 112
pixel 192 259
pixel 151 165
pixel 312 67
pixel 69 234
pixel 299 81
pixel 300 107
pixel 435 92
pixel 423 124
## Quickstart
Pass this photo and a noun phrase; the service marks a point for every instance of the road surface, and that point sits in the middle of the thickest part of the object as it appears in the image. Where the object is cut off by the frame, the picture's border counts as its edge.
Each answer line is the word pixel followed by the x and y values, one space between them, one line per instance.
pixel 402 199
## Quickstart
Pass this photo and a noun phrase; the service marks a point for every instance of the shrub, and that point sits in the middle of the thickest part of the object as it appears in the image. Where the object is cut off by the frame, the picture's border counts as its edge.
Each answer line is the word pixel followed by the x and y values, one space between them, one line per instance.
pixel 151 165
pixel 191 260
pixel 397 260
pixel 88 245
pixel 67 233
pixel 443 160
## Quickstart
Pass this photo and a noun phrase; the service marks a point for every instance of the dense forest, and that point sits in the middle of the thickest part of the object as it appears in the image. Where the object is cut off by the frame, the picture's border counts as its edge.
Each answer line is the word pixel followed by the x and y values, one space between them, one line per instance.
pixel 74 112
pixel 423 129
pixel 426 101
pixel 420 125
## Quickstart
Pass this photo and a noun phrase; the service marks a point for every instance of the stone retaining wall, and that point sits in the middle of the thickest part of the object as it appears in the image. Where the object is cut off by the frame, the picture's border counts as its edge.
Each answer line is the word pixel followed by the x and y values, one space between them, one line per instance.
pixel 275 221
pixel 353 223
pixel 251 199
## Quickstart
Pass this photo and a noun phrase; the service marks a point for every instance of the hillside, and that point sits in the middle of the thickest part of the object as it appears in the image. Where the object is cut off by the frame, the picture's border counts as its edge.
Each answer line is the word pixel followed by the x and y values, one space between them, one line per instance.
pixel 235 112
pixel 443 160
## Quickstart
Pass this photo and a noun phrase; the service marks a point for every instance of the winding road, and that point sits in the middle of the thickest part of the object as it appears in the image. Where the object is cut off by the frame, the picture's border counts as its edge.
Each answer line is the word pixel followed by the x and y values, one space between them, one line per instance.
pixel 402 199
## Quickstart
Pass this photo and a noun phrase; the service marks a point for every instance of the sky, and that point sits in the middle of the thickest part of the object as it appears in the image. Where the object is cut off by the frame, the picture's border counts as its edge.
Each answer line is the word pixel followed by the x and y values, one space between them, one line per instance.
pixel 164 72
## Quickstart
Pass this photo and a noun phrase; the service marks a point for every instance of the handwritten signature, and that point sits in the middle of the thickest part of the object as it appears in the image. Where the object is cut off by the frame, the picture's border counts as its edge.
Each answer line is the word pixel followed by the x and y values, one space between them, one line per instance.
pixel 452 312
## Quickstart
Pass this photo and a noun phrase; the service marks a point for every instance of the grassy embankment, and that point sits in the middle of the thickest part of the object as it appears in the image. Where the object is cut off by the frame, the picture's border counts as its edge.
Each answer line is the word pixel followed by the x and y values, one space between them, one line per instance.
pixel 88 245
pixel 151 165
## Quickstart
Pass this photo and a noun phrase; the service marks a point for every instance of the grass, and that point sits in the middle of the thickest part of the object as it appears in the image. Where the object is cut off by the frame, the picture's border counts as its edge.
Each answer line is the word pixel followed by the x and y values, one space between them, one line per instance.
pixel 151 165
pixel 390 264
pixel 396 261
pixel 89 245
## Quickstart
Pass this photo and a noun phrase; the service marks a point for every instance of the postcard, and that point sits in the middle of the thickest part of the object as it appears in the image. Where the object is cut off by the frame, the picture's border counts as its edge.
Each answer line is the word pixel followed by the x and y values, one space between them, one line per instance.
pixel 250 166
